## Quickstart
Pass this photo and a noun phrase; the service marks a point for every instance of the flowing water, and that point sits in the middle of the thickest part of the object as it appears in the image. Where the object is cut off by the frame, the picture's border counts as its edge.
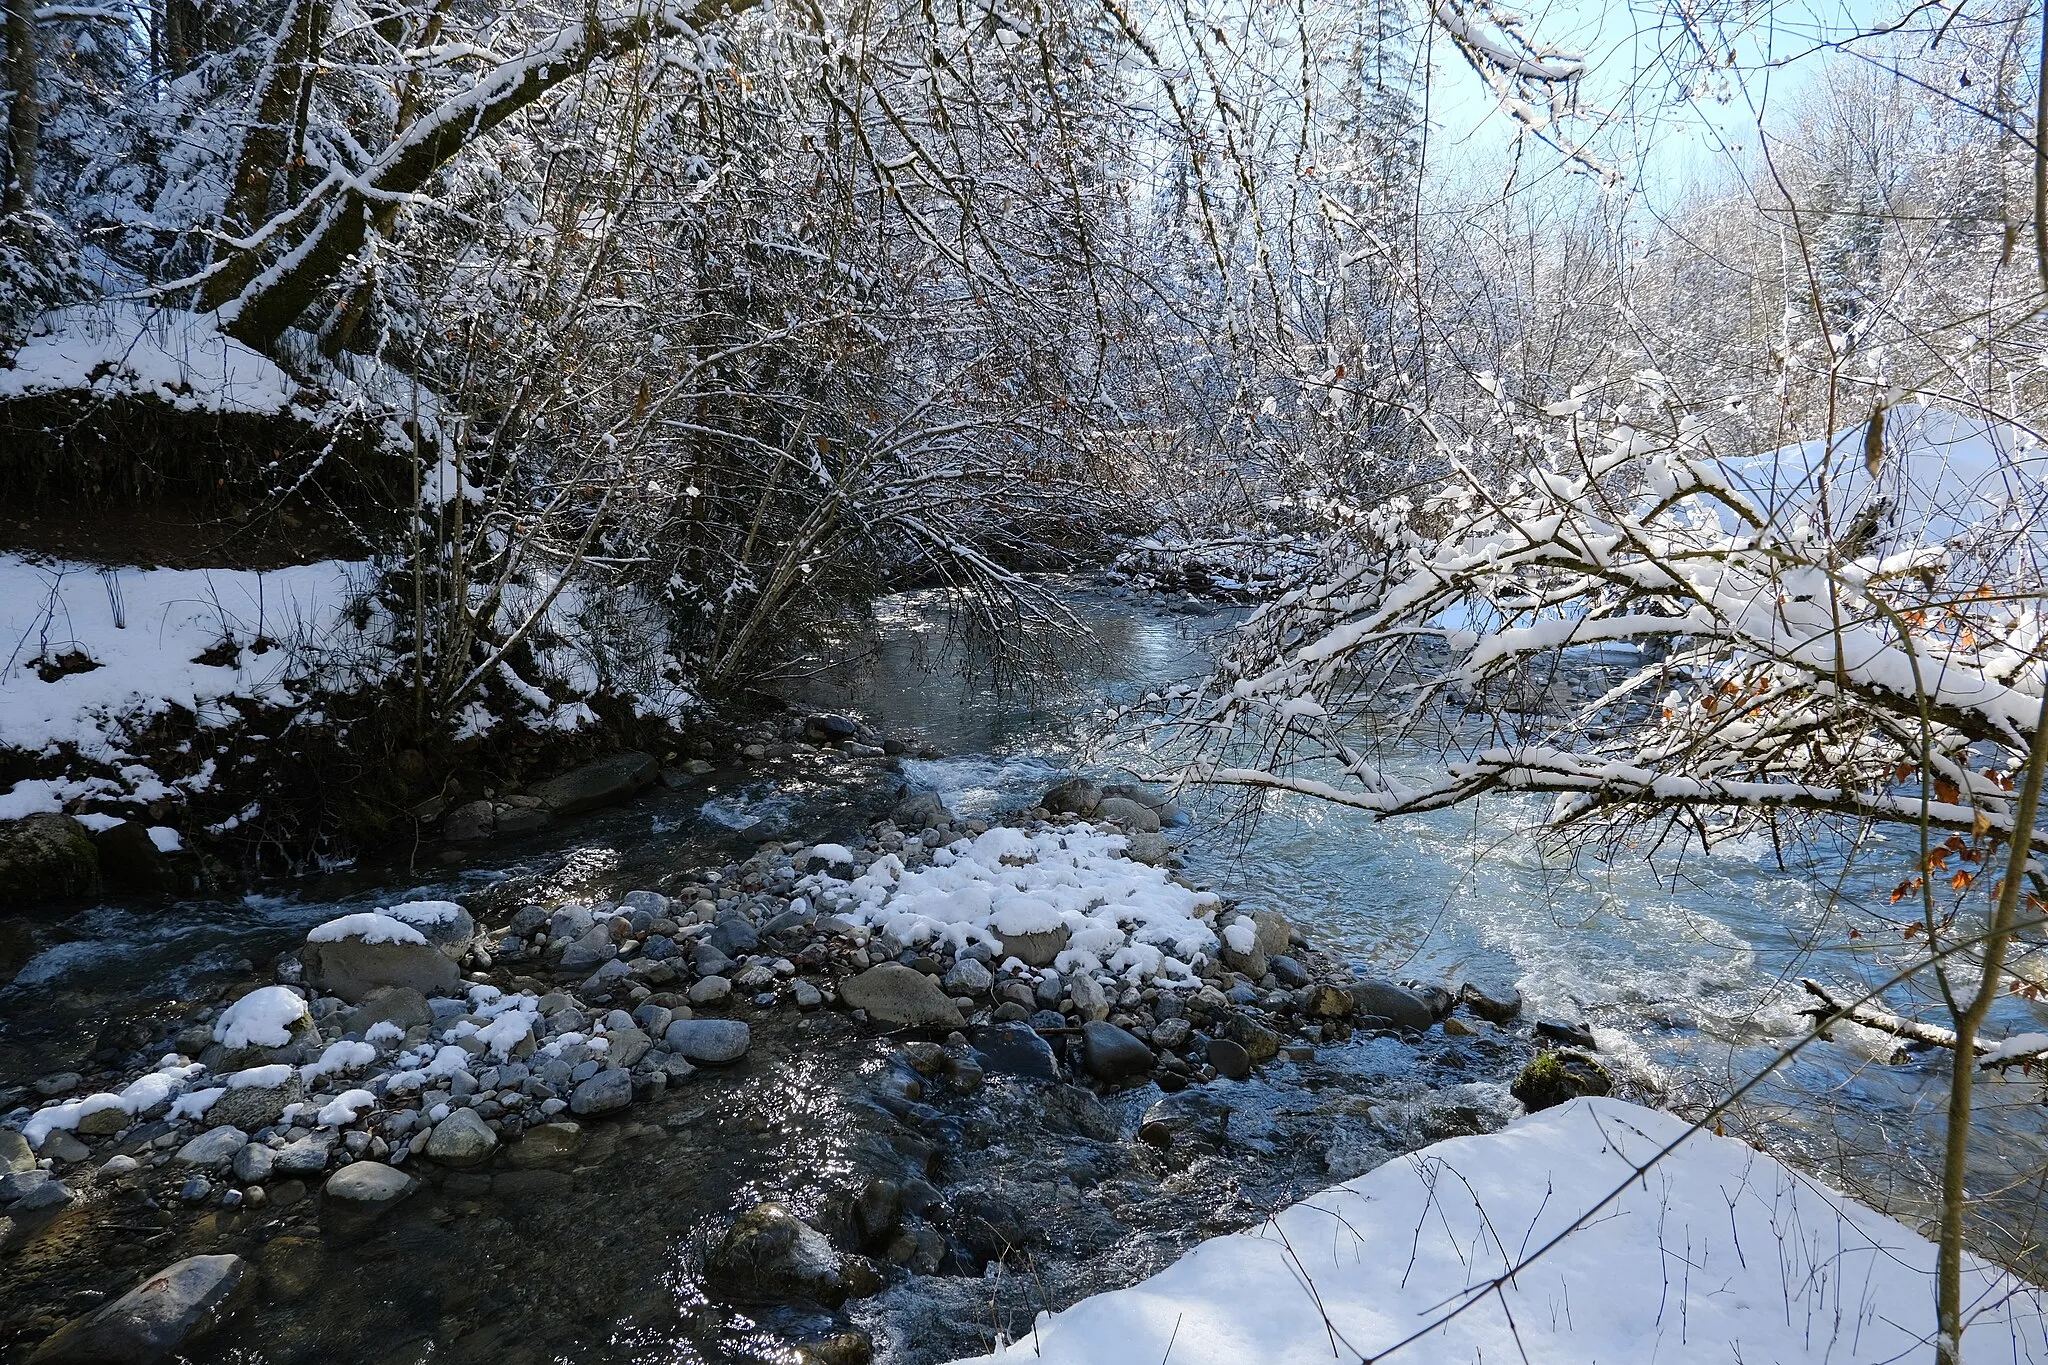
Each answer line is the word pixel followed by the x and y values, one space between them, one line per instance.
pixel 1686 967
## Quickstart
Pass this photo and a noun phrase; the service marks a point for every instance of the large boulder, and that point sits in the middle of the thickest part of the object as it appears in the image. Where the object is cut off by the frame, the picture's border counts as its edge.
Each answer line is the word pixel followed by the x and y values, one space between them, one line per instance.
pixel 1072 796
pixel 444 924
pixel 604 782
pixel 357 954
pixel 166 1312
pixel 1128 813
pixel 1399 1006
pixel 46 857
pixel 131 861
pixel 770 1252
pixel 892 993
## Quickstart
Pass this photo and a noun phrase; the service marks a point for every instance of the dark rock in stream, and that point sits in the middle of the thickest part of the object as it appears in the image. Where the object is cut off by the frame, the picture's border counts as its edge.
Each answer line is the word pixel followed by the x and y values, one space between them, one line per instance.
pixel 602 783
pixel 45 857
pixel 1570 1032
pixel 1113 1054
pixel 178 1305
pixel 1197 1117
pixel 1230 1059
pixel 770 1251
pixel 1015 1049
pixel 1399 1006
pixel 1496 1004
pixel 1553 1078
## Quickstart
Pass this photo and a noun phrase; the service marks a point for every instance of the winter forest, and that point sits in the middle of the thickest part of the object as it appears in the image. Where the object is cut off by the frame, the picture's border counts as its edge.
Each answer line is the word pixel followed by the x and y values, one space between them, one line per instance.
pixel 911 681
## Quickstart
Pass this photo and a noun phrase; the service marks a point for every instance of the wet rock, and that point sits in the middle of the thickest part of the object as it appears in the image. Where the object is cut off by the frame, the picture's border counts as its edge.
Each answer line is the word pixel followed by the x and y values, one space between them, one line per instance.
pixel 171 1309
pixel 1072 796
pixel 469 822
pixel 1194 1117
pixel 1128 813
pixel 1570 1032
pixel 545 1144
pixel 1036 949
pixel 353 969
pixel 17 946
pixel 1290 973
pixel 1496 1004
pixel 831 729
pixel 1275 933
pixel 1171 1035
pixel 603 1093
pixel 1458 1028
pixel 1230 1059
pixel 769 1251
pixel 291 1267
pixel 368 1186
pixel 1259 1042
pixel 892 993
pixel 709 1040
pixel 130 859
pixel 1327 1002
pixel 32 1190
pixel 1440 1001
pixel 920 810
pixel 601 783
pixel 463 1139
pixel 850 1347
pixel 991 1226
pixel 1113 1054
pixel 1015 1049
pixel 1070 1109
pixel 45 857
pixel 1553 1078
pixel 213 1148
pixel 1376 998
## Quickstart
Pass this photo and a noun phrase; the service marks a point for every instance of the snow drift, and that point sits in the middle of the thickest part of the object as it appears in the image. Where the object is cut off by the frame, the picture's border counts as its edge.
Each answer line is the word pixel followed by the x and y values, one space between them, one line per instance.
pixel 1717 1253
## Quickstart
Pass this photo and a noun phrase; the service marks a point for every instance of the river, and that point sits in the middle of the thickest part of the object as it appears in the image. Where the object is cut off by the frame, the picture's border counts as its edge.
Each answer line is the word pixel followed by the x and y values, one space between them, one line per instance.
pixel 1686 967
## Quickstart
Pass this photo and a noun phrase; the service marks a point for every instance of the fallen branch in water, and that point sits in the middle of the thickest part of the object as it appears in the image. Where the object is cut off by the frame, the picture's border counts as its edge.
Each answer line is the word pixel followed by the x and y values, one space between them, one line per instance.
pixel 2033 1046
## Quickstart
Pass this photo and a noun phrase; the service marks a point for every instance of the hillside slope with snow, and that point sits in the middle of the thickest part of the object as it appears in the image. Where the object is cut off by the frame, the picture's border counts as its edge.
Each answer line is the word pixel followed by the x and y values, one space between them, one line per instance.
pixel 1717 1254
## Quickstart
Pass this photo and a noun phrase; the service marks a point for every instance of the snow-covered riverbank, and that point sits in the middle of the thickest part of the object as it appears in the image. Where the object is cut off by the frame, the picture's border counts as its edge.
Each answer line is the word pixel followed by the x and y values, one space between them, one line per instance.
pixel 1714 1253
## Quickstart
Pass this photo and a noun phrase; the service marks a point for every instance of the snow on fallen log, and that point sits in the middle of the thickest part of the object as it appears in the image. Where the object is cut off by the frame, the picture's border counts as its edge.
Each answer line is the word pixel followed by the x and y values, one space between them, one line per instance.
pixel 1717 1253
pixel 2021 1048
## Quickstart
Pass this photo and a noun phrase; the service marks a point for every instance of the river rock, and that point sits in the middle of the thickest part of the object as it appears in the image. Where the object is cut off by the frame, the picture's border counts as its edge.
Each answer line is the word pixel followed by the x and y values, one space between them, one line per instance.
pixel 171 1309
pixel 1240 950
pixel 628 1045
pixel 1275 933
pixel 734 937
pixel 1148 848
pixel 1376 998
pixel 1128 813
pixel 770 1252
pixel 1323 1001
pixel 253 1163
pixel 368 1186
pixel 65 1149
pixel 45 856
pixel 601 783
pixel 712 990
pixel 1570 1032
pixel 250 1107
pixel 1552 1078
pixel 545 1144
pixel 990 1226
pixel 352 968
pixel 400 1006
pixel 1494 1003
pixel 920 810
pixel 1015 1049
pixel 1230 1059
pixel 32 1189
pixel 1091 1001
pixel 892 993
pixel 15 1153
pixel 214 1148
pixel 711 1040
pixel 1113 1054
pixel 444 924
pixel 131 861
pixel 1073 796
pixel 1037 949
pixel 1071 1109
pixel 463 1139
pixel 470 821
pixel 592 948
pixel 1171 1035
pixel 968 977
pixel 606 1092
pixel 307 1156
pixel 1194 1117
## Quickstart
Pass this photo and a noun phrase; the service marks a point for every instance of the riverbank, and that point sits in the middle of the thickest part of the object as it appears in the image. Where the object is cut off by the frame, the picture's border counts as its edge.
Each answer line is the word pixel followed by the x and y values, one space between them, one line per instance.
pixel 457 1061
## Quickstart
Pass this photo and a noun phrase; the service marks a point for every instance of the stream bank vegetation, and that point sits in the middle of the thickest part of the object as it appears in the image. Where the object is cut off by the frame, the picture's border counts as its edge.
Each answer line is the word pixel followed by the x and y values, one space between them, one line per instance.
pixel 574 371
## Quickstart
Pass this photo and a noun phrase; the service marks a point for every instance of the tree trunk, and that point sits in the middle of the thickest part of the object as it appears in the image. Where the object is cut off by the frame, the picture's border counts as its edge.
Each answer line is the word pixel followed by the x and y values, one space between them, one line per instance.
pixel 25 110
pixel 268 302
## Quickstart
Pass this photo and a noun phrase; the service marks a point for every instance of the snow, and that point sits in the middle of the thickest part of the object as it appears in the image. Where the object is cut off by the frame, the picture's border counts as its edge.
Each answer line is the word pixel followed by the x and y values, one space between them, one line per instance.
pixel 834 855
pixel 144 1093
pixel 369 926
pixel 2019 1045
pixel 426 912
pixel 194 1103
pixel 181 358
pixel 262 1018
pixel 166 839
pixel 146 630
pixel 1125 918
pixel 1717 1253
pixel 345 1108
pixel 262 1077
pixel 337 1057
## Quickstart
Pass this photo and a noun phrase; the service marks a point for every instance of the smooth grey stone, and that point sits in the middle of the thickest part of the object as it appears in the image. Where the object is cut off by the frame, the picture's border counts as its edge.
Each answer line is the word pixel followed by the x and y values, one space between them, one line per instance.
pixel 253 1163
pixel 602 1093
pixel 170 1310
pixel 369 1185
pixel 215 1147
pixel 894 994
pixel 1113 1054
pixel 709 1040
